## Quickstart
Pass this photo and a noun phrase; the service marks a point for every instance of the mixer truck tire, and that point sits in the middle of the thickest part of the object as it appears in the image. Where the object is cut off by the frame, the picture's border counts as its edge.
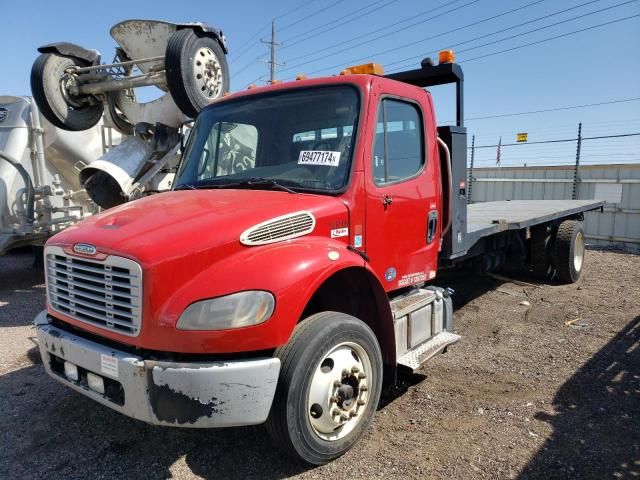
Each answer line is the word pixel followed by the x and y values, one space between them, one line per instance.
pixel 48 85
pixel 119 119
pixel 197 70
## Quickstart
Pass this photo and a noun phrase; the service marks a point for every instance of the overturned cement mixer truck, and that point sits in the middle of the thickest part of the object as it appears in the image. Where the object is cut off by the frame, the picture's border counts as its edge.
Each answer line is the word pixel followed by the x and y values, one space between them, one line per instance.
pixel 84 142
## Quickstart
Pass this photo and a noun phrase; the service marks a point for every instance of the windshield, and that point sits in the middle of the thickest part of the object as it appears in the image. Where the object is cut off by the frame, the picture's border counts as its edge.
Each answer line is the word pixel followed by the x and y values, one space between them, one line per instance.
pixel 298 138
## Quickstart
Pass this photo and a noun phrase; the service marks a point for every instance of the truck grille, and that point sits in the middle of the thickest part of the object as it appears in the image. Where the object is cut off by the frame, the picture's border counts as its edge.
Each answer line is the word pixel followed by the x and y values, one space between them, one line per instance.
pixel 107 294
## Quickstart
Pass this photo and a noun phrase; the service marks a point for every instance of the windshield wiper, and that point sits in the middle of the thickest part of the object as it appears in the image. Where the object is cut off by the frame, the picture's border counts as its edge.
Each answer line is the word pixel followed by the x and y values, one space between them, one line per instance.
pixel 246 182
pixel 184 186
pixel 265 182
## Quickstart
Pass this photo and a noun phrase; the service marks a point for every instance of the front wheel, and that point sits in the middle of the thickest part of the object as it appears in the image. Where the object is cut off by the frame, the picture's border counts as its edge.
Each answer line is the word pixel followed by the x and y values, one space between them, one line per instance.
pixel 329 387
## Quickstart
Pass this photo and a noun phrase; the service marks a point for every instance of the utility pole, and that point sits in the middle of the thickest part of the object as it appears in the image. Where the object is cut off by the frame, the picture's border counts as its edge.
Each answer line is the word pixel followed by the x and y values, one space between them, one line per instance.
pixel 272 57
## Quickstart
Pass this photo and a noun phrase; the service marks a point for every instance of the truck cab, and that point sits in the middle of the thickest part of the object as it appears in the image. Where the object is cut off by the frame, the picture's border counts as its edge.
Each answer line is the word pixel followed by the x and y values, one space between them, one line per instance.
pixel 286 275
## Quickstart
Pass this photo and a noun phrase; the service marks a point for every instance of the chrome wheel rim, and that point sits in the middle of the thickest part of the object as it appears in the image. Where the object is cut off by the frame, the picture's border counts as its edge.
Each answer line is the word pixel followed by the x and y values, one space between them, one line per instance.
pixel 578 252
pixel 207 73
pixel 339 391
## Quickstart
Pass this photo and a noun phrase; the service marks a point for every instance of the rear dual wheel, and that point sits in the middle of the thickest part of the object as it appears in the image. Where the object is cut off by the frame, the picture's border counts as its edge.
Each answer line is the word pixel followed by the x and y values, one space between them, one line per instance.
pixel 329 387
pixel 558 253
pixel 568 251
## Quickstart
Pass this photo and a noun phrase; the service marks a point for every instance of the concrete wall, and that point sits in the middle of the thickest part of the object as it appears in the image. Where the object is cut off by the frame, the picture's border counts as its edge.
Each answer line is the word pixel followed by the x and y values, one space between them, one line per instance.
pixel 619 224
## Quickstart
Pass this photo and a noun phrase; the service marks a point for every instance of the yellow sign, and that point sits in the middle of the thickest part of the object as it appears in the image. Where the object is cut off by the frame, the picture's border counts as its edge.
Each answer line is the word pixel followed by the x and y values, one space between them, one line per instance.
pixel 521 137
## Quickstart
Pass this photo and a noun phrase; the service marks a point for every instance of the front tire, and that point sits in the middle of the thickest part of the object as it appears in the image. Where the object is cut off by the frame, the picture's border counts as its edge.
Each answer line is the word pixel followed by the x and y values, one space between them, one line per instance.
pixel 48 79
pixel 568 251
pixel 329 387
pixel 197 70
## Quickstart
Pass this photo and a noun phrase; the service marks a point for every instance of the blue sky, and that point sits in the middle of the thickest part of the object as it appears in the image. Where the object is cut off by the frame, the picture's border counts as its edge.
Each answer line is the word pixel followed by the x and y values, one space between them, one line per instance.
pixel 598 65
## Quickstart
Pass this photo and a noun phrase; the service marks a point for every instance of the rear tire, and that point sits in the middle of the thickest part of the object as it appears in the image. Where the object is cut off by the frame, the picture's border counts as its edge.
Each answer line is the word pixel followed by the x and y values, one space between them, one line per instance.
pixel 63 111
pixel 540 253
pixel 568 251
pixel 321 375
pixel 197 70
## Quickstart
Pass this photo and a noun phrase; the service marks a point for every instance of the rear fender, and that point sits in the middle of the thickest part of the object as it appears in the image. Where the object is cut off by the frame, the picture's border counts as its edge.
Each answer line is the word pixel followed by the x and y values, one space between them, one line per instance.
pixel 72 50
pixel 207 30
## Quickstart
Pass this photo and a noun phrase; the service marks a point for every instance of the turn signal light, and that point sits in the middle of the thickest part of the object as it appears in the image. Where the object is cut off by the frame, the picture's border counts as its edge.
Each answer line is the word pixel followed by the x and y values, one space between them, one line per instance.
pixel 366 69
pixel 446 56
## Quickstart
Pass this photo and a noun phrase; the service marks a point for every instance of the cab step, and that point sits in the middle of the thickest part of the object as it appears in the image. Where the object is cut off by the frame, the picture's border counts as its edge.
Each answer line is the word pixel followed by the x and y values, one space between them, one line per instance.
pixel 423 324
pixel 420 354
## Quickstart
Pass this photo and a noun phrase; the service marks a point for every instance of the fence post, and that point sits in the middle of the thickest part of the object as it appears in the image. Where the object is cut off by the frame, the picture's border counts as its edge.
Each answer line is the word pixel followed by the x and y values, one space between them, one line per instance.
pixel 576 175
pixel 470 181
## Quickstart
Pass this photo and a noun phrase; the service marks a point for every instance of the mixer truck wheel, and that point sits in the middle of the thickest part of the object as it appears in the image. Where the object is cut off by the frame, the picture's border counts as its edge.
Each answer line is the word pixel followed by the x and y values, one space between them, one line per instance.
pixel 49 80
pixel 197 70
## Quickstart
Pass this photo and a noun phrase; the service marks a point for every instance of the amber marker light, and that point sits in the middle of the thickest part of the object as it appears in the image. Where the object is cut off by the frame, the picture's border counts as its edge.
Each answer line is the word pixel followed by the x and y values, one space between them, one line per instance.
pixel 365 69
pixel 446 56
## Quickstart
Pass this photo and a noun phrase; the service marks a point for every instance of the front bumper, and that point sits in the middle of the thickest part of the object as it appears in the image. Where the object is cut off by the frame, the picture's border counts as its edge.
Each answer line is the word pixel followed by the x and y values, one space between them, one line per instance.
pixel 188 394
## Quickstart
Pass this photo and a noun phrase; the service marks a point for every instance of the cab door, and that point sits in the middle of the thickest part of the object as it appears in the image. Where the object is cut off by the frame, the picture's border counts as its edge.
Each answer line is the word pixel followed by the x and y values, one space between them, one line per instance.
pixel 402 214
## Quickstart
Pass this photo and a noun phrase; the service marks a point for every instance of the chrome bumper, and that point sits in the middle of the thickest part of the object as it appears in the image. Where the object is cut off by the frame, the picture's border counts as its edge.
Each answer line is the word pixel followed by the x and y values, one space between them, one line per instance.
pixel 190 394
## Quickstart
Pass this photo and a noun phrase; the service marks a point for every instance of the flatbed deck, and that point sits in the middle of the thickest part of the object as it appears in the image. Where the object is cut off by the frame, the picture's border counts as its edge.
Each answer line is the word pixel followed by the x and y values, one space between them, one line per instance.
pixel 488 218
pixel 491 217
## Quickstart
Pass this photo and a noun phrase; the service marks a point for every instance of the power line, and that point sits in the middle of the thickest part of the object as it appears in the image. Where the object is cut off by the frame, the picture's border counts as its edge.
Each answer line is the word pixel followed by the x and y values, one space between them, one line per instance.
pixel 250 63
pixel 375 6
pixel 451 31
pixel 311 15
pixel 383 36
pixel 251 40
pixel 376 34
pixel 559 141
pixel 516 35
pixel 531 112
pixel 553 38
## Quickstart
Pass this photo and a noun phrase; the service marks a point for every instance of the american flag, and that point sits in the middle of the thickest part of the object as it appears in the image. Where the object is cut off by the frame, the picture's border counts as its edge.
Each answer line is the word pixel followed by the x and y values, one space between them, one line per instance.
pixel 498 152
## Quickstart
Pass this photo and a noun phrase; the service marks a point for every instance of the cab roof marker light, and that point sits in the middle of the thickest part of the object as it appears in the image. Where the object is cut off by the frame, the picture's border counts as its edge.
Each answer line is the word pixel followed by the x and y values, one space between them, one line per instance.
pixel 446 56
pixel 301 76
pixel 364 69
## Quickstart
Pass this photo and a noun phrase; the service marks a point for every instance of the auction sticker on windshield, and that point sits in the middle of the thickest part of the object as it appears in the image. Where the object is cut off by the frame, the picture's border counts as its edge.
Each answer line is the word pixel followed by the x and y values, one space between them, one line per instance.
pixel 319 157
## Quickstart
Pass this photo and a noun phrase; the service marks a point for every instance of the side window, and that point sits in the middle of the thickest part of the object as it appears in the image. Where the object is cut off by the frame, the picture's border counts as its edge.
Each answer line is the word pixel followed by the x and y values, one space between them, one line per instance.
pixel 398 145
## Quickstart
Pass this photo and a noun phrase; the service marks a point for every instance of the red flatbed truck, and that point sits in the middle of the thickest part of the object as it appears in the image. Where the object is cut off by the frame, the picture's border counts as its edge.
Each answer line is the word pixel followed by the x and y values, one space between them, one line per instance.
pixel 289 272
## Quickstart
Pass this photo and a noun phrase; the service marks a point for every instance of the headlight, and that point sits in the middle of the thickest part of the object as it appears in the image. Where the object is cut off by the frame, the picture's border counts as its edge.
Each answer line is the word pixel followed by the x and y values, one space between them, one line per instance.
pixel 237 310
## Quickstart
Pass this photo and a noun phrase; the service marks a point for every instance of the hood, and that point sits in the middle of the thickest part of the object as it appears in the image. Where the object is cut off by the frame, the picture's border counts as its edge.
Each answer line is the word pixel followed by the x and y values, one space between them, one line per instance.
pixel 205 223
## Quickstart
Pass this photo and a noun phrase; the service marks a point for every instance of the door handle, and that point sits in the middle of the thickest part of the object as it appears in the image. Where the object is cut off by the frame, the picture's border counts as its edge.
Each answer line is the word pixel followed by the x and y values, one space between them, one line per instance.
pixel 387 200
pixel 432 225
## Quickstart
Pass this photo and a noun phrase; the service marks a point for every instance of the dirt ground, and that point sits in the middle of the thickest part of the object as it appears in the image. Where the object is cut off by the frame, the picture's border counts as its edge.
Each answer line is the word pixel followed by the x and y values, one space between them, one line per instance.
pixel 550 390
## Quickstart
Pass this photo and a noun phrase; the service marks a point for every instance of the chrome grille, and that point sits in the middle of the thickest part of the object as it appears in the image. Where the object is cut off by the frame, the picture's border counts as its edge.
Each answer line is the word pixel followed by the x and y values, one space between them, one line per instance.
pixel 106 293
pixel 279 228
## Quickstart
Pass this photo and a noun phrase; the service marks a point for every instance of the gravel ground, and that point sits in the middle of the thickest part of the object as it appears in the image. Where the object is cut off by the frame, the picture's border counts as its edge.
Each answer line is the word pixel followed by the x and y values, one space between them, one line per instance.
pixel 546 390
